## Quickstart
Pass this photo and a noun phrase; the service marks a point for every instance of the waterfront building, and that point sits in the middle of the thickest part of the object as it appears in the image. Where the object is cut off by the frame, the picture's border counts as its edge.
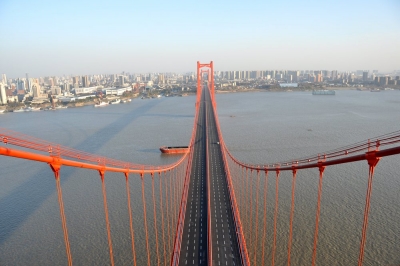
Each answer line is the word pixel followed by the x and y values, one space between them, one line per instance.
pixel 10 96
pixel 85 90
pixel 66 99
pixel 288 85
pixel 118 92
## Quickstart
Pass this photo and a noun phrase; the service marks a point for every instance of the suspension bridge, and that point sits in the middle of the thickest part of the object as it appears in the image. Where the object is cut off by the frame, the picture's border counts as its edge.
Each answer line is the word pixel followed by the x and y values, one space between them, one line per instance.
pixel 212 206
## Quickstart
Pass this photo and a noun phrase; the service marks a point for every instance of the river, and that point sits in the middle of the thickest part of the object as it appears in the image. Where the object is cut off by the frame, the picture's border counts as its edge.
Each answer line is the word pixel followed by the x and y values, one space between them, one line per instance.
pixel 258 128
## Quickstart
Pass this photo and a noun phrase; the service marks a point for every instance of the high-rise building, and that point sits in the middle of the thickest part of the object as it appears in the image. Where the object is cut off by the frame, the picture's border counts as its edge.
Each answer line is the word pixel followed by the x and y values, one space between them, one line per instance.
pixel 161 79
pixel 28 83
pixel 4 79
pixel 384 80
pixel 75 80
pixel 66 86
pixel 365 76
pixel 334 74
pixel 121 80
pixel 237 74
pixel 293 76
pixel 85 81
pixel 20 84
pixel 55 90
pixel 36 90
pixel 319 77
pixel 51 82
pixel 351 77
pixel 3 97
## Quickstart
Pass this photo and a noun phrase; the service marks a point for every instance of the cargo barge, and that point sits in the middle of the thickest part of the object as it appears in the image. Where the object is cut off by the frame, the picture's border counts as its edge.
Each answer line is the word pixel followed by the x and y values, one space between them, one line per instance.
pixel 174 150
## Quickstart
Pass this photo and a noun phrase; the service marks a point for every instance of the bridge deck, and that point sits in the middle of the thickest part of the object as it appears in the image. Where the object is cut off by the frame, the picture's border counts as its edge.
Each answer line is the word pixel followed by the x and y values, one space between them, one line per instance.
pixel 224 244
pixel 194 237
pixel 225 249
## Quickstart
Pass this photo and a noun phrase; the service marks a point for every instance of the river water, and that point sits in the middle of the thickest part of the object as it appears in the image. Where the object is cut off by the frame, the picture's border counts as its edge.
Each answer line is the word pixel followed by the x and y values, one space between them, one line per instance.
pixel 258 128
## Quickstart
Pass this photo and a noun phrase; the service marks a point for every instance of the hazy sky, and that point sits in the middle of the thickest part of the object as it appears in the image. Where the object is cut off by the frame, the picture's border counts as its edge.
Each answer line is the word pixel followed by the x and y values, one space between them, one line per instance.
pixel 49 37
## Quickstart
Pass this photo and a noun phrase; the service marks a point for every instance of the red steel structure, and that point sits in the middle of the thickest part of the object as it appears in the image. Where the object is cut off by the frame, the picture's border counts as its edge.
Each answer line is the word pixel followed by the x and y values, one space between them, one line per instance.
pixel 247 185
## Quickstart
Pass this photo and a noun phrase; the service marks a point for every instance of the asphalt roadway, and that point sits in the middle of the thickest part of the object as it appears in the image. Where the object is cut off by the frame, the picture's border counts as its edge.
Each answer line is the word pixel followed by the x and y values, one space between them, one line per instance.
pixel 194 238
pixel 224 245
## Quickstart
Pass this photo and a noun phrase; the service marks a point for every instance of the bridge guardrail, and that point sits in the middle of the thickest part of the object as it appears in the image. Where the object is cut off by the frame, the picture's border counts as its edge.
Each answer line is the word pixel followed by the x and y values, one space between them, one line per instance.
pixel 239 230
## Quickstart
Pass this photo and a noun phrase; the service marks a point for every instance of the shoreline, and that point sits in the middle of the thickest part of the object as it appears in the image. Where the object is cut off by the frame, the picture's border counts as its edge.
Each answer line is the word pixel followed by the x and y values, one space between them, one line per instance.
pixel 48 106
pixel 284 90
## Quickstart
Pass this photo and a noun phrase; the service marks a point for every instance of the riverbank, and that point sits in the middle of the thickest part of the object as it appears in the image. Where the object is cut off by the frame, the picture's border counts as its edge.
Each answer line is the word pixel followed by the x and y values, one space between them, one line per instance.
pixel 278 90
pixel 21 107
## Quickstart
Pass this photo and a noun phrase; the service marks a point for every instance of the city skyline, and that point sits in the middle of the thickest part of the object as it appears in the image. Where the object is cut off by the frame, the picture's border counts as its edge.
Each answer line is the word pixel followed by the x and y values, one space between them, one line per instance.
pixel 248 74
pixel 44 38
